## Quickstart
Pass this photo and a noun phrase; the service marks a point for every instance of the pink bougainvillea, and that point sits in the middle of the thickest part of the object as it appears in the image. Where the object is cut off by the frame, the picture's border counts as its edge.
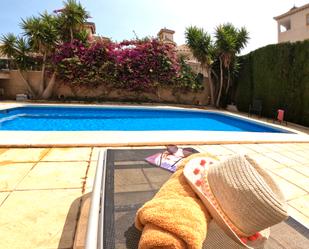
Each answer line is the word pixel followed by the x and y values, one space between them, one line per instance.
pixel 77 63
pixel 137 65
pixel 141 65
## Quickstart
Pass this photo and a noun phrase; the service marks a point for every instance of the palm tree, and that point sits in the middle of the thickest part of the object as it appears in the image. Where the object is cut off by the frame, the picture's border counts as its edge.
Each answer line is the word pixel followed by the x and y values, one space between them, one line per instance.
pixel 16 49
pixel 43 37
pixel 71 19
pixel 7 47
pixel 229 42
pixel 202 48
pixel 40 38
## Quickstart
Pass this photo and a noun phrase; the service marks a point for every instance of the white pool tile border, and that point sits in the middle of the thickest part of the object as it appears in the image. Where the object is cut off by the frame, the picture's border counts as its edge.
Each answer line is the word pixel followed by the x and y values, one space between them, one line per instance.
pixel 141 138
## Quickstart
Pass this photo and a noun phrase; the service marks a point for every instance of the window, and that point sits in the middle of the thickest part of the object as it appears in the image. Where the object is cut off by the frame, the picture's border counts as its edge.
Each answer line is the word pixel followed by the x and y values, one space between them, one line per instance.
pixel 307 19
pixel 285 26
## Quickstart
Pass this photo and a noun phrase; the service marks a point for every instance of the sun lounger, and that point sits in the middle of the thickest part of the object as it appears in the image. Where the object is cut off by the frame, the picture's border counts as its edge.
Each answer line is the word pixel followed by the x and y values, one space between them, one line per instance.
pixel 255 107
pixel 124 182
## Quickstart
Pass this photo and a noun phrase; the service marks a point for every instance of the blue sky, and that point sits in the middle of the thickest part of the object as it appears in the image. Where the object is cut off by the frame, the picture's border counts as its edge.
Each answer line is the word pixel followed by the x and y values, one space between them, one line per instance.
pixel 118 18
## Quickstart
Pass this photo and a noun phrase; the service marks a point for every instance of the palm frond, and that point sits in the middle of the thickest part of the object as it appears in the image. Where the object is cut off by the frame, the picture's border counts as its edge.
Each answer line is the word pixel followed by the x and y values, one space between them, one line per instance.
pixel 200 44
pixel 22 45
pixel 229 41
pixel 82 36
pixel 8 46
pixel 242 39
pixel 71 19
pixel 41 31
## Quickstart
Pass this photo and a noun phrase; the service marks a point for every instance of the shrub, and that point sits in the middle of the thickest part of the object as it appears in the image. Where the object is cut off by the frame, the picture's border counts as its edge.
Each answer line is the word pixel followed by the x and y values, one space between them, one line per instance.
pixel 279 76
pixel 144 64
pixel 137 65
pixel 187 79
pixel 78 64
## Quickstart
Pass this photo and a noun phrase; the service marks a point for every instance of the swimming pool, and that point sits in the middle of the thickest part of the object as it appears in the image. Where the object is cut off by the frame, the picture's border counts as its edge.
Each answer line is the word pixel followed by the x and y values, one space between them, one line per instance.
pixel 41 118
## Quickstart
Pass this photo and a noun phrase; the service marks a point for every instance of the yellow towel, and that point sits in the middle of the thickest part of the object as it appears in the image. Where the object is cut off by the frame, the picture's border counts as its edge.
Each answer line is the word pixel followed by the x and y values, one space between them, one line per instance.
pixel 175 218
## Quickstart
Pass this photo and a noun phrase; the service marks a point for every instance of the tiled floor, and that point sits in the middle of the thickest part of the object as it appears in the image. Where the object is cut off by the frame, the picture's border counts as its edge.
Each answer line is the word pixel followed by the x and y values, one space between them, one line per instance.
pixel 40 196
pixel 287 163
pixel 42 189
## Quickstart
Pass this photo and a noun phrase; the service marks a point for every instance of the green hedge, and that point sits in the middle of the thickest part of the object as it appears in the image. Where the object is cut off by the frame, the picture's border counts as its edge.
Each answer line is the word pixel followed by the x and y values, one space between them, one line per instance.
pixel 279 76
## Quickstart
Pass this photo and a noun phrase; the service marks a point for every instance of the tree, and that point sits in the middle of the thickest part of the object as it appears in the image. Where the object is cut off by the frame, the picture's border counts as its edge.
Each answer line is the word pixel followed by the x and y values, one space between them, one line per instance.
pixel 202 48
pixel 40 37
pixel 7 47
pixel 16 50
pixel 71 20
pixel 229 42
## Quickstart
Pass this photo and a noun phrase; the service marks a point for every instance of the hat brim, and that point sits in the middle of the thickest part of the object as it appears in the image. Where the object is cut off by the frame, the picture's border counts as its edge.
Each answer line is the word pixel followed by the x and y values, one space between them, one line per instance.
pixel 217 239
pixel 220 220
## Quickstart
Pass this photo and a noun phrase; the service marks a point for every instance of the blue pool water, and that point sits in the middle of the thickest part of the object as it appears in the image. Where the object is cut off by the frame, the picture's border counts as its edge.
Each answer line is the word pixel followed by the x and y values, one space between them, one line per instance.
pixel 122 119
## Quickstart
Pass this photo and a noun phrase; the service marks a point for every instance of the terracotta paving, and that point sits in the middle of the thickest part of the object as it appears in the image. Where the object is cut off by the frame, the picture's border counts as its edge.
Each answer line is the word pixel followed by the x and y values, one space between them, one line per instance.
pixel 45 192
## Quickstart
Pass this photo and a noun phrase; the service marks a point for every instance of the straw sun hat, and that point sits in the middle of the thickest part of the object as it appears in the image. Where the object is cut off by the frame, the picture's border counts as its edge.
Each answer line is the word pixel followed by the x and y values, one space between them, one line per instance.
pixel 242 198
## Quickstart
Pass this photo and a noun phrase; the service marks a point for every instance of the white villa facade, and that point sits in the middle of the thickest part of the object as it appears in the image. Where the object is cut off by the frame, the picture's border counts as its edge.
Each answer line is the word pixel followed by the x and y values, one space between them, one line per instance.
pixel 293 25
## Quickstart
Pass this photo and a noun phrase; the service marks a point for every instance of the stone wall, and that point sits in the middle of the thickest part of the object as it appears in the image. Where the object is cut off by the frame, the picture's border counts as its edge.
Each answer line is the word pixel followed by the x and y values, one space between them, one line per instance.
pixel 15 85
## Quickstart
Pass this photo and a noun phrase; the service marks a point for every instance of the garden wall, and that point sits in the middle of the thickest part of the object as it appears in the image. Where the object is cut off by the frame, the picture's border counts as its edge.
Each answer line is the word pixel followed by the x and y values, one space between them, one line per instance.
pixel 15 84
pixel 63 92
pixel 279 76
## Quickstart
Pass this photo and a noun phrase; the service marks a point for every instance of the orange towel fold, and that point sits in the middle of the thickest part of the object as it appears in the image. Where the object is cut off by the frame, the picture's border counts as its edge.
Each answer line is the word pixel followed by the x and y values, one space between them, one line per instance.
pixel 175 218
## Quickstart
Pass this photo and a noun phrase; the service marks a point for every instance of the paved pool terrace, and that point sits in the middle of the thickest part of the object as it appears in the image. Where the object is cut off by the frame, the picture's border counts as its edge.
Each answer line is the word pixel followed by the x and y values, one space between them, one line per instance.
pixel 45 188
pixel 45 192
